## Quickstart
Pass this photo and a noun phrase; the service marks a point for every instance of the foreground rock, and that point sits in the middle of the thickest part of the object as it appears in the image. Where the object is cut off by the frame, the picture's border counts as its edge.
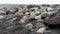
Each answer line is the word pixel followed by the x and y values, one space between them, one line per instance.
pixel 41 30
pixel 53 20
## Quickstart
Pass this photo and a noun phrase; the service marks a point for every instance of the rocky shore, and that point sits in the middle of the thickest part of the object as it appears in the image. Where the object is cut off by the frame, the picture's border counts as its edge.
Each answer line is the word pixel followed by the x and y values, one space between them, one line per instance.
pixel 30 19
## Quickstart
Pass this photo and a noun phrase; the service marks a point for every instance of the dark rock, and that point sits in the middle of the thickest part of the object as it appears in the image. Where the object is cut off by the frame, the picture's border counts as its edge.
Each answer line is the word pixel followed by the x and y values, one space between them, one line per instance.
pixel 53 20
pixel 39 25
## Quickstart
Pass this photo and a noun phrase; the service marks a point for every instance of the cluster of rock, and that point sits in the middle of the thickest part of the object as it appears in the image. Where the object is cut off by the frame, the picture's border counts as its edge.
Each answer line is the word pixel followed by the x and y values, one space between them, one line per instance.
pixel 29 19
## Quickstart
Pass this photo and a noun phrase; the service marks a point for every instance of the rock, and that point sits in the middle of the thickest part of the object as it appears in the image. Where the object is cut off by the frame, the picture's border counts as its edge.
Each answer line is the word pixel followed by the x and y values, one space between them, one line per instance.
pixel 37 12
pixel 50 9
pixel 27 13
pixel 13 11
pixel 42 10
pixel 2 17
pixel 25 9
pixel 32 13
pixel 17 14
pixel 35 8
pixel 25 17
pixel 41 30
pixel 2 12
pixel 22 21
pixel 39 20
pixel 38 17
pixel 44 15
pixel 51 32
pixel 53 20
pixel 7 11
pixel 16 27
pixel 39 25
pixel 48 32
pixel 31 19
pixel 29 26
pixel 14 18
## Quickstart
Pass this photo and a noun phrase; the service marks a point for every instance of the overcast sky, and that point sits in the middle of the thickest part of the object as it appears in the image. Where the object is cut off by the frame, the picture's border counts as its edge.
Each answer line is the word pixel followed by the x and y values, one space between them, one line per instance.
pixel 29 1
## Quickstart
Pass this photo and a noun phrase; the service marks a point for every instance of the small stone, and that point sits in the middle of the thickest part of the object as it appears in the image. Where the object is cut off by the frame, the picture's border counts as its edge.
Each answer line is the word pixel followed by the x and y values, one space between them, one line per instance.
pixel 13 11
pixel 25 17
pixel 17 14
pixel 39 20
pixel 2 12
pixel 48 32
pixel 37 12
pixel 9 27
pixel 38 17
pixel 44 15
pixel 2 17
pixel 22 21
pixel 41 30
pixel 39 25
pixel 35 8
pixel 50 9
pixel 31 18
pixel 29 26
pixel 14 18
pixel 32 13
pixel 27 13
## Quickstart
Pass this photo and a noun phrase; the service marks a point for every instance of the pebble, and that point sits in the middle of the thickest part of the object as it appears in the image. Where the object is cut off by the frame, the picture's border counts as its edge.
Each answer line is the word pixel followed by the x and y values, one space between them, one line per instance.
pixel 29 26
pixel 22 21
pixel 35 8
pixel 39 25
pixel 17 14
pixel 50 9
pixel 2 17
pixel 25 17
pixel 2 12
pixel 41 30
pixel 37 12
pixel 40 20
pixel 27 13
pixel 44 15
pixel 38 17
pixel 48 32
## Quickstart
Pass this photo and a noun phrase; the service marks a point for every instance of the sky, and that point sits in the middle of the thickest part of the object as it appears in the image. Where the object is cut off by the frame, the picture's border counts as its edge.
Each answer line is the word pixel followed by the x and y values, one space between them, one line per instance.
pixel 29 1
